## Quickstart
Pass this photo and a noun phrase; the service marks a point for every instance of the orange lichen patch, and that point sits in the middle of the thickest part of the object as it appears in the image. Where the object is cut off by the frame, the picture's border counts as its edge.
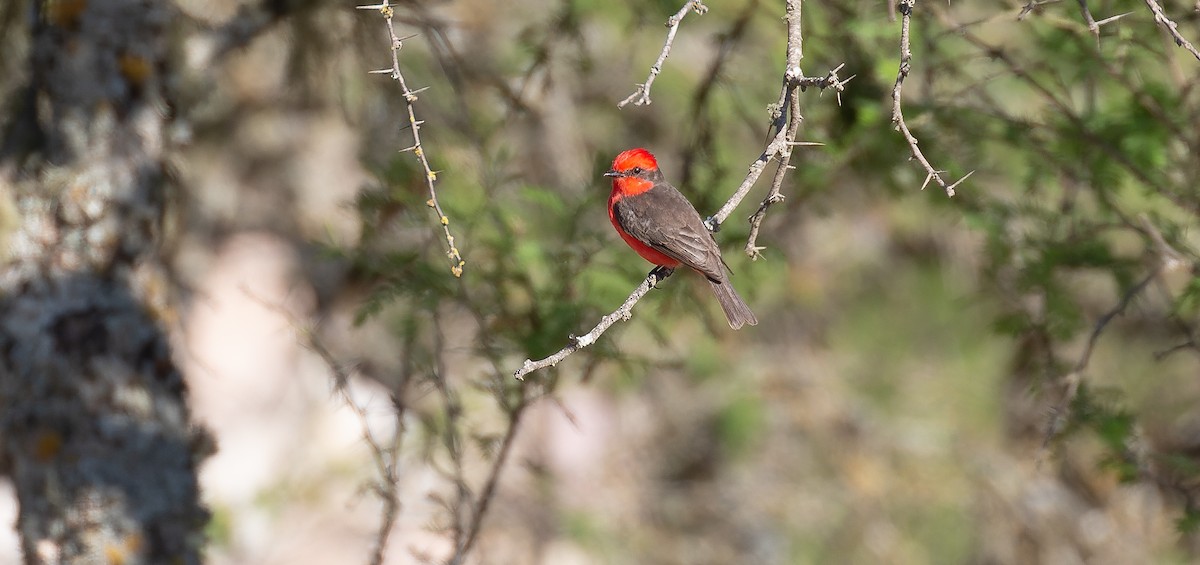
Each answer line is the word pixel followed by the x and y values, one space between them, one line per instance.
pixel 135 69
pixel 120 554
pixel 65 13
pixel 47 445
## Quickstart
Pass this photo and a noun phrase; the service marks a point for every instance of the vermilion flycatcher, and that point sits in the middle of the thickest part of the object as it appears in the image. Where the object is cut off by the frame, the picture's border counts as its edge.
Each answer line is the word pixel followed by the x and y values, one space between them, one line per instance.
pixel 658 222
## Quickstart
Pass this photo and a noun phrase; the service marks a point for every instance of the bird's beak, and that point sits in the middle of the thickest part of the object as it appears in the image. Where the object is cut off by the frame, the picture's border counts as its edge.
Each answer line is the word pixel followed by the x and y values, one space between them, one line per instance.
pixel 613 173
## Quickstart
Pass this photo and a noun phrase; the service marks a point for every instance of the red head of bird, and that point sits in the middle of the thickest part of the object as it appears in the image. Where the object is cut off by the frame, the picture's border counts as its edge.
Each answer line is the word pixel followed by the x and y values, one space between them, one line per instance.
pixel 633 172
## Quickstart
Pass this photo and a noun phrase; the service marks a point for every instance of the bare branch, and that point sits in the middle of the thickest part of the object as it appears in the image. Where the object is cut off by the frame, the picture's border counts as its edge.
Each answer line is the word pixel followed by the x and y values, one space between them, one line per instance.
pixel 906 9
pixel 774 196
pixel 471 533
pixel 1171 27
pixel 641 96
pixel 386 459
pixel 410 96
pixel 1028 7
pixel 1060 412
pixel 1167 258
pixel 1092 24
pixel 625 312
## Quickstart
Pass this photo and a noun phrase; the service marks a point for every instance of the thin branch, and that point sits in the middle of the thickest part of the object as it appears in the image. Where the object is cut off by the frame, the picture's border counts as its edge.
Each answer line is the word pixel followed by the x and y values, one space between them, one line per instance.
pixel 414 125
pixel 1092 24
pixel 906 9
pixel 451 434
pixel 641 96
pixel 386 459
pixel 625 312
pixel 1060 412
pixel 795 55
pixel 1171 27
pixel 1029 7
pixel 774 196
pixel 489 487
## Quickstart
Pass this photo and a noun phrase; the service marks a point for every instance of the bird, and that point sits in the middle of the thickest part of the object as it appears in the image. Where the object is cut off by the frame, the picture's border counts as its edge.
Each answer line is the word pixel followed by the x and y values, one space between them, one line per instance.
pixel 659 223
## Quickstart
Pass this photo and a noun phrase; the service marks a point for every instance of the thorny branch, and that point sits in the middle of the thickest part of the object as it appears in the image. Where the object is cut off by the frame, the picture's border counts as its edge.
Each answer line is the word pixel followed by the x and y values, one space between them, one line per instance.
pixel 471 534
pixel 641 96
pixel 774 196
pixel 793 80
pixel 906 9
pixel 1171 27
pixel 414 125
pixel 784 112
pixel 625 312
pixel 1092 24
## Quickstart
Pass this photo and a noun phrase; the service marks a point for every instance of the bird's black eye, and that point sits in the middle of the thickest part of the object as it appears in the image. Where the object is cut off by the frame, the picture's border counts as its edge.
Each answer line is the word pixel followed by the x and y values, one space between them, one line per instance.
pixel 636 170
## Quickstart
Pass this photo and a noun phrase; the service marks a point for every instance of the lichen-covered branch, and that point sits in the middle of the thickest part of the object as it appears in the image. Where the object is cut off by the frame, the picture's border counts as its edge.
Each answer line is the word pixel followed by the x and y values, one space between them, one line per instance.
pixel 96 433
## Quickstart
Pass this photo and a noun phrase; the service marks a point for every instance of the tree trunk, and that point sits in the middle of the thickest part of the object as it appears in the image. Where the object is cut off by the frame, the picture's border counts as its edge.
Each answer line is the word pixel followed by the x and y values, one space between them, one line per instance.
pixel 95 430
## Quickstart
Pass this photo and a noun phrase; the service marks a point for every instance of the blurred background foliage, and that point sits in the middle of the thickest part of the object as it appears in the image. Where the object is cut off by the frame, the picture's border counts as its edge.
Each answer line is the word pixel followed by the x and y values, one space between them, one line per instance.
pixel 1005 376
pixel 944 339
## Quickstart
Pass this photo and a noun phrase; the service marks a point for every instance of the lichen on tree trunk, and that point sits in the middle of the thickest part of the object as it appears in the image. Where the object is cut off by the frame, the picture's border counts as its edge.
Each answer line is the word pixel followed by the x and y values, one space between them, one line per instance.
pixel 95 430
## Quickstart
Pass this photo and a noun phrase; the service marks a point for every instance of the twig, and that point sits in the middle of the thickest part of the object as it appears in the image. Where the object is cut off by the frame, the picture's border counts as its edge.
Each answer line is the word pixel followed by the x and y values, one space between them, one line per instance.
pixel 489 487
pixel 1060 412
pixel 451 436
pixel 641 96
pixel 1029 7
pixel 1092 24
pixel 386 459
pixel 625 312
pixel 1171 27
pixel 774 196
pixel 906 9
pixel 410 96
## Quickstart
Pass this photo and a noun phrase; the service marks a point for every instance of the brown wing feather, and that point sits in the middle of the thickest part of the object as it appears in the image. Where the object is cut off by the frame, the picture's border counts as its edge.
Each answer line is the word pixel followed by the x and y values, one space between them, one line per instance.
pixel 664 219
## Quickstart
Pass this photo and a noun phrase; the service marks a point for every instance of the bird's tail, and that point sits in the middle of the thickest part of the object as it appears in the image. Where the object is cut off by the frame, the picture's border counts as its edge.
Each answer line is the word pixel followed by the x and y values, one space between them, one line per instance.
pixel 735 308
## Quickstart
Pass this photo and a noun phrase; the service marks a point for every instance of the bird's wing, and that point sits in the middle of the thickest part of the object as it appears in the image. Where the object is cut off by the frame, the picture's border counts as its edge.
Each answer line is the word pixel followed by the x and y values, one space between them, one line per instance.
pixel 664 219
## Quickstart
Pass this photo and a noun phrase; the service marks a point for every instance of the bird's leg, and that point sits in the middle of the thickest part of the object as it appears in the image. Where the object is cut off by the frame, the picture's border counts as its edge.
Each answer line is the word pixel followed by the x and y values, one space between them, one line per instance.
pixel 660 273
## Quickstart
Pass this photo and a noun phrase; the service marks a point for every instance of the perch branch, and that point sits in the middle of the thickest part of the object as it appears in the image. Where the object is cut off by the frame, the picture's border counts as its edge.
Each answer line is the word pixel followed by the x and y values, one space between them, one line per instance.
pixel 625 312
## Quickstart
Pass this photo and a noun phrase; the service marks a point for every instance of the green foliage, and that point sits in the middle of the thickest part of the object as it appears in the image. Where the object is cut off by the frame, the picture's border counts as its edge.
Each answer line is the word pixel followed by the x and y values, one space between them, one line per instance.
pixel 739 423
pixel 1099 411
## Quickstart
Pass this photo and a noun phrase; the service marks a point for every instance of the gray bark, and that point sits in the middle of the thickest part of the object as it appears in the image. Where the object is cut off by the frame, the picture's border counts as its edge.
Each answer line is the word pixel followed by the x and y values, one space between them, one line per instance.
pixel 95 430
